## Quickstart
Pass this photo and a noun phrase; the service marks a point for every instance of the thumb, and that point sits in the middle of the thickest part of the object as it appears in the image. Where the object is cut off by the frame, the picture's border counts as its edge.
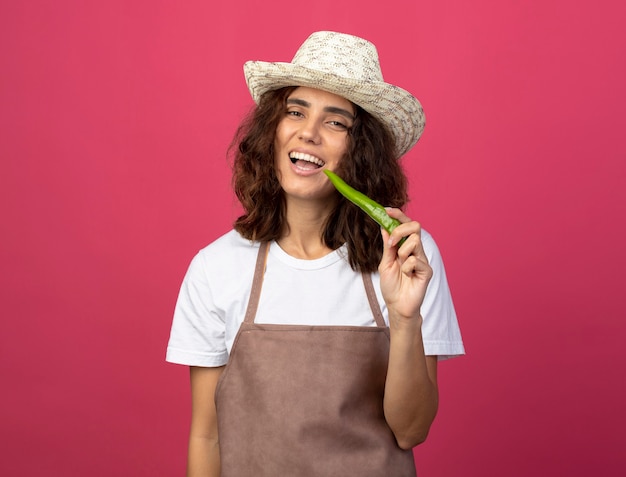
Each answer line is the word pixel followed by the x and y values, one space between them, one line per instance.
pixel 390 252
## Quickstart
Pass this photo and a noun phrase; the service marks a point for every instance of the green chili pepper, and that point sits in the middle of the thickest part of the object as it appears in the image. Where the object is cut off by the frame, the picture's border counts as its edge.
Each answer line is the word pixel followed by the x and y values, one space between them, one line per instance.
pixel 367 205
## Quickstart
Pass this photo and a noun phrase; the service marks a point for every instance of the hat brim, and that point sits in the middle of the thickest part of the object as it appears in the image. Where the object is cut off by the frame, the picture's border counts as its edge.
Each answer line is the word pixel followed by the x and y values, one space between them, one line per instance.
pixel 392 105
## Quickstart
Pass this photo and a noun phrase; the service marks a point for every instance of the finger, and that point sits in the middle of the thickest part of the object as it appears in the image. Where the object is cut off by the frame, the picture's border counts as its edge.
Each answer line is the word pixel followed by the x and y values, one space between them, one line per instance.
pixel 401 231
pixel 406 228
pixel 390 252
pixel 412 244
pixel 413 266
pixel 397 214
pixel 410 267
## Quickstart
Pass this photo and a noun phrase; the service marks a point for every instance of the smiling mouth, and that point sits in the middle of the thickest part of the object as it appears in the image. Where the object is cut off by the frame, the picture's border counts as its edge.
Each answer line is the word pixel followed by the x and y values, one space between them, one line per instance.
pixel 305 161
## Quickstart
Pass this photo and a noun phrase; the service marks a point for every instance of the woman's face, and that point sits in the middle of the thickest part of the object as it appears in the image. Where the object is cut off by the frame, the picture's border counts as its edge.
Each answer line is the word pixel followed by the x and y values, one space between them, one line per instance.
pixel 311 136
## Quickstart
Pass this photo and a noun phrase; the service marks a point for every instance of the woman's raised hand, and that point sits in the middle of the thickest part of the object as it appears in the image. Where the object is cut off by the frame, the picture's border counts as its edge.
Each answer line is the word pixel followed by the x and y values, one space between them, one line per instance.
pixel 404 270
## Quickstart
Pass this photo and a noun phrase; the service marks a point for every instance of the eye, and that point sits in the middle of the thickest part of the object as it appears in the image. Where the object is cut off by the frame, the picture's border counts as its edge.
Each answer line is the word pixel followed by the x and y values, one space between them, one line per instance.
pixel 294 113
pixel 337 125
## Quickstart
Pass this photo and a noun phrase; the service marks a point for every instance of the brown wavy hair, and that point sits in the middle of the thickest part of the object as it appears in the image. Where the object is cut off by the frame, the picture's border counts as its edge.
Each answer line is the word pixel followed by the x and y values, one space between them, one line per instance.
pixel 370 165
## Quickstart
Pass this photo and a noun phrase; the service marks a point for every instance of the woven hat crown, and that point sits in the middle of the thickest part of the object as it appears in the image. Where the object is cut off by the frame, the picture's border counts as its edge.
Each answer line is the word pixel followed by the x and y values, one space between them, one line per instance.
pixel 348 66
pixel 347 56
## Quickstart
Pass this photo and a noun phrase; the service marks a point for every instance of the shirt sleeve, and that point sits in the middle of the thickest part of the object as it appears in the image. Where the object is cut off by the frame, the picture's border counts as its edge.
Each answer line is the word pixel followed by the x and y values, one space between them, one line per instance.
pixel 440 329
pixel 197 336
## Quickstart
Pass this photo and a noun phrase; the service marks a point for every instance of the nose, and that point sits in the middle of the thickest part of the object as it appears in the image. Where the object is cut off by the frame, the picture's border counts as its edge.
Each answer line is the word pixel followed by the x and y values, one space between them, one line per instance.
pixel 310 131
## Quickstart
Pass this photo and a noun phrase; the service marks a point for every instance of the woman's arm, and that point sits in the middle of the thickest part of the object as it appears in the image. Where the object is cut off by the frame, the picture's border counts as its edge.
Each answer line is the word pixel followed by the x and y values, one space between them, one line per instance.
pixel 203 458
pixel 411 395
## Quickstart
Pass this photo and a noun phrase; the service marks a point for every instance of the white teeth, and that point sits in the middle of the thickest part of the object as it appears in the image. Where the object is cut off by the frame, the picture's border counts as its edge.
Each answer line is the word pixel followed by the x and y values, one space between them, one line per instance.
pixel 301 156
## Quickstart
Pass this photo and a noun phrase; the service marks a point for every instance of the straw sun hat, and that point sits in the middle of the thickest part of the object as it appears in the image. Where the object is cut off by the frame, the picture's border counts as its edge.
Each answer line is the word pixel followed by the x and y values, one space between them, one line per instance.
pixel 348 66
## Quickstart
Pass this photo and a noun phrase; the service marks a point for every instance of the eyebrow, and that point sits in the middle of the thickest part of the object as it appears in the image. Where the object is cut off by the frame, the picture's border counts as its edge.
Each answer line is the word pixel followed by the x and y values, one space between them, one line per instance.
pixel 327 109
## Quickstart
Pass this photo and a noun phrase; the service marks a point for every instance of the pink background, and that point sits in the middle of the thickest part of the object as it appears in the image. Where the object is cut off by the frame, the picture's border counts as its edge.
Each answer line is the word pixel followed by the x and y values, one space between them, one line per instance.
pixel 115 117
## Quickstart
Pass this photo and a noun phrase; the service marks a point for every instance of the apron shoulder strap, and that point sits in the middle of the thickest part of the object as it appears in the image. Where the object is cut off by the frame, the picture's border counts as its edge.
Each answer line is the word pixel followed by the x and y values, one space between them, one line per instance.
pixel 373 300
pixel 257 282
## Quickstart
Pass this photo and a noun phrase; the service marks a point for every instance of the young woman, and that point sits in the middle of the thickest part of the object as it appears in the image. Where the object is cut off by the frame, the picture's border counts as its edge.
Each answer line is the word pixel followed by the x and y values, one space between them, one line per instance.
pixel 312 335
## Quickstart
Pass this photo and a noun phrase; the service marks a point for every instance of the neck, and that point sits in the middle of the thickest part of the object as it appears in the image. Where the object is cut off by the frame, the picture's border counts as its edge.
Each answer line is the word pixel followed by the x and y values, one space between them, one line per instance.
pixel 303 236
